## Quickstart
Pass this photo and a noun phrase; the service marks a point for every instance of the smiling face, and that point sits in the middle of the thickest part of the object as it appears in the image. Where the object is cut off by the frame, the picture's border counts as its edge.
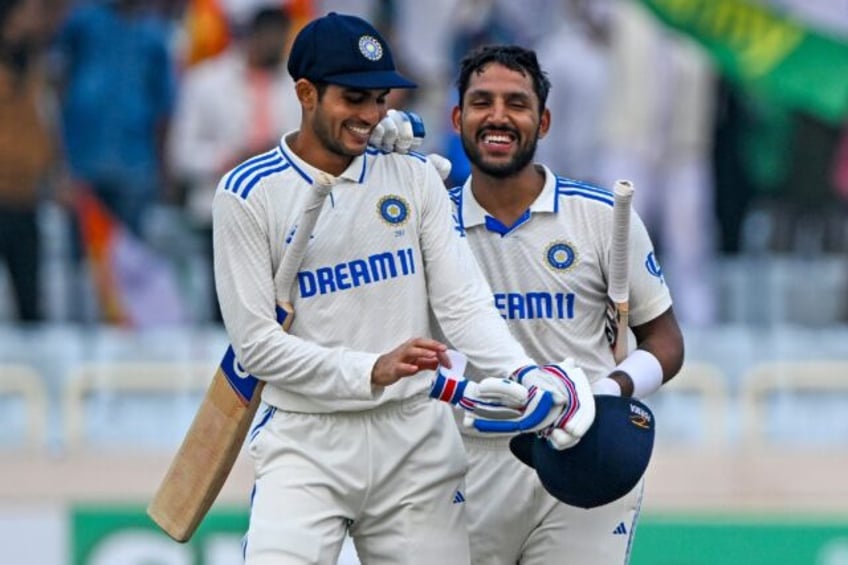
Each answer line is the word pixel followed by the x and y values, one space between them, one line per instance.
pixel 499 120
pixel 338 121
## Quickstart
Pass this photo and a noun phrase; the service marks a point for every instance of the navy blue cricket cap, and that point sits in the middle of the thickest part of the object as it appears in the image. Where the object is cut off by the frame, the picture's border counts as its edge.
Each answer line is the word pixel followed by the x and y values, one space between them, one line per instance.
pixel 605 465
pixel 344 50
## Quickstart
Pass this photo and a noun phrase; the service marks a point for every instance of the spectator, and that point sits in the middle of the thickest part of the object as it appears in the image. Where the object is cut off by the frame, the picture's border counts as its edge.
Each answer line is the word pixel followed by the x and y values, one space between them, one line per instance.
pixel 229 107
pixel 117 84
pixel 116 80
pixel 577 57
pixel 25 149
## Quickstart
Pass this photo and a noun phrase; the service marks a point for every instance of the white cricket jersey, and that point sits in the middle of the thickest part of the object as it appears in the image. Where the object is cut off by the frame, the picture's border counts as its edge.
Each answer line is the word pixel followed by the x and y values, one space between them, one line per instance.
pixel 549 271
pixel 383 251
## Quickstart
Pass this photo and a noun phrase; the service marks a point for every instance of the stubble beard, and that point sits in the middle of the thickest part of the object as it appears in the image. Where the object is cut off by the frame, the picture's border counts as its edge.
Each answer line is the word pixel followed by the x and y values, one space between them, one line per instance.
pixel 523 157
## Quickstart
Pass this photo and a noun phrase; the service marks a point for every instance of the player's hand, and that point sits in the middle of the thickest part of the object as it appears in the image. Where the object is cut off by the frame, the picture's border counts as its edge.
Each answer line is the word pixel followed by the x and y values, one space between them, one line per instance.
pixel 442 164
pixel 491 398
pixel 578 411
pixel 407 359
pixel 399 132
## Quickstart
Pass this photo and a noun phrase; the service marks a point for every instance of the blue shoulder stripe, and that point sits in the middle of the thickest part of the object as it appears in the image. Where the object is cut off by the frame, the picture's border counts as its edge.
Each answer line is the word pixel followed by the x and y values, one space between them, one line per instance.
pixel 252 162
pixel 267 171
pixel 250 176
pixel 568 187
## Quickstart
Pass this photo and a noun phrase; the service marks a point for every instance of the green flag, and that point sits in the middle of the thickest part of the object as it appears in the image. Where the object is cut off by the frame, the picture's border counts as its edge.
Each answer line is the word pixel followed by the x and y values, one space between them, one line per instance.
pixel 753 45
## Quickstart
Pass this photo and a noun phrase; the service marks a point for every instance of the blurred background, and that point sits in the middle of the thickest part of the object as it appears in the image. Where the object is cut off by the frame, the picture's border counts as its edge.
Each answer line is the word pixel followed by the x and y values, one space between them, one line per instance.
pixel 118 117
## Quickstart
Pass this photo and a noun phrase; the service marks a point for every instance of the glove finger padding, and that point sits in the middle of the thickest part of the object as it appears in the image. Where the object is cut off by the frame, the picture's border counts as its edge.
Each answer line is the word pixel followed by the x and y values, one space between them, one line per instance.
pixel 398 132
pixel 539 413
pixel 560 405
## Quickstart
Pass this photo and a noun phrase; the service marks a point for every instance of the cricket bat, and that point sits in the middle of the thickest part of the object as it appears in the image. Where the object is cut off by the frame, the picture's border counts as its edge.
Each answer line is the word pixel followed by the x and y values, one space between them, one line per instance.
pixel 216 436
pixel 619 275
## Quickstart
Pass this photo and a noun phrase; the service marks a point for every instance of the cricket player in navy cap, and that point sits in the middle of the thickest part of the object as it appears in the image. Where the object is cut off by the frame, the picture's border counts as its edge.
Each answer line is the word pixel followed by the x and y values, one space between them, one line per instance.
pixel 348 440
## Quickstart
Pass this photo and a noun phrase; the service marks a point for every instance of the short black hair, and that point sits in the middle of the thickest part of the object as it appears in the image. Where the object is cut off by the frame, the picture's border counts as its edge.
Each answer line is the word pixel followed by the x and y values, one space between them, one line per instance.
pixel 513 57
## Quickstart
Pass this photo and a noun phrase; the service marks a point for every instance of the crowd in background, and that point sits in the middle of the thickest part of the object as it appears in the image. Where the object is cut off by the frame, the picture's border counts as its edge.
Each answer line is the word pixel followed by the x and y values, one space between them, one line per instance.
pixel 119 117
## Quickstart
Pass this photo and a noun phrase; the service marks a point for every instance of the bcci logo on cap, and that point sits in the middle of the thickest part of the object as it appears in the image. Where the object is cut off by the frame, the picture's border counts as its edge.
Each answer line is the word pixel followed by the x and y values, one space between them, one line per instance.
pixel 370 48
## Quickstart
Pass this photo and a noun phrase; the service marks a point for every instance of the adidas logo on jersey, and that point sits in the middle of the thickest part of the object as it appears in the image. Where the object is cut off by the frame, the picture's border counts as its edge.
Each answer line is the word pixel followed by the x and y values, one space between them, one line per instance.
pixel 458 497
pixel 621 529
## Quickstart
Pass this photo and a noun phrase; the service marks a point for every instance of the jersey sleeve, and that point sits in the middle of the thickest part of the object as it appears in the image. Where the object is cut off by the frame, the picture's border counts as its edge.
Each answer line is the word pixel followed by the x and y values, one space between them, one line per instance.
pixel 246 292
pixel 649 294
pixel 461 299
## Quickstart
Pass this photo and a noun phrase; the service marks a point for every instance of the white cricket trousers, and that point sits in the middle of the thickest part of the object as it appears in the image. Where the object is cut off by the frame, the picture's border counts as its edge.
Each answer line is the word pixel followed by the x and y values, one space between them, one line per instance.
pixel 513 520
pixel 393 477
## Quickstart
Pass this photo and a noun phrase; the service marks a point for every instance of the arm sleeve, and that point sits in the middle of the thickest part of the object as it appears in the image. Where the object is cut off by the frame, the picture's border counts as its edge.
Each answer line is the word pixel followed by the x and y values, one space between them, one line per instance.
pixel 461 299
pixel 245 284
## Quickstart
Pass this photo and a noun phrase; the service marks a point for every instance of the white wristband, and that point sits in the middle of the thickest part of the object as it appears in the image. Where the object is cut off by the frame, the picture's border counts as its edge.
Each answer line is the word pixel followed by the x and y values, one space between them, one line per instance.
pixel 606 386
pixel 644 370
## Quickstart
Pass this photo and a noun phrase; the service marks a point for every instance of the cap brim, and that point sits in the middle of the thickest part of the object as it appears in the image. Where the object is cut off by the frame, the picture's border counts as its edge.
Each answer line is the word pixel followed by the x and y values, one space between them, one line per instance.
pixel 522 447
pixel 371 80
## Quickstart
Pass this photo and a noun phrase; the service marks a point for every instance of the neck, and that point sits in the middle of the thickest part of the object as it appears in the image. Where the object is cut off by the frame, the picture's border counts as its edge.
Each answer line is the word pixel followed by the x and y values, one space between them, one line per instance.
pixel 309 148
pixel 507 198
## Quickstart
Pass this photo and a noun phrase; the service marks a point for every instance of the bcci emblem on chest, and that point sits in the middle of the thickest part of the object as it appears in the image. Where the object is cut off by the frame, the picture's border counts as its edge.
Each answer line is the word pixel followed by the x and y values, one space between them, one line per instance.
pixel 393 209
pixel 560 256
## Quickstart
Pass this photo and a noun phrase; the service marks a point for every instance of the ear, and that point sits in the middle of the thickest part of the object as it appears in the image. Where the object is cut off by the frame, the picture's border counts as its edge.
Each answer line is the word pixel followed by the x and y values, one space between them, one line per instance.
pixel 307 94
pixel 456 118
pixel 544 123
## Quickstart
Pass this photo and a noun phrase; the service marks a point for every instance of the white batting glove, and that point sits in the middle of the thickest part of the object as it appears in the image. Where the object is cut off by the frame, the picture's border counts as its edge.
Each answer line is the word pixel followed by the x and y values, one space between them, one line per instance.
pixel 491 398
pixel 538 413
pixel 442 164
pixel 398 132
pixel 568 416
pixel 547 395
pixel 570 387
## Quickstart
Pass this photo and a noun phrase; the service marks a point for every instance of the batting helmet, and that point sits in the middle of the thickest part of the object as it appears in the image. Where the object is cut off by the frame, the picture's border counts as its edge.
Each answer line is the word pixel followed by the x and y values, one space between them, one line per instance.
pixel 607 462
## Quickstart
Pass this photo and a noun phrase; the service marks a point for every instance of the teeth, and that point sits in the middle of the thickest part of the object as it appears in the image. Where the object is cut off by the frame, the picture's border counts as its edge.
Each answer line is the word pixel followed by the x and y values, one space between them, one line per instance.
pixel 497 138
pixel 359 131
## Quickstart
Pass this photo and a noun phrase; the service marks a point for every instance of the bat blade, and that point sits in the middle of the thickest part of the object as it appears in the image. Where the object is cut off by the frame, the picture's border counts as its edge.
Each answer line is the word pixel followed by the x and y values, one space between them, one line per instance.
pixel 213 442
pixel 210 447
pixel 619 274
pixel 185 495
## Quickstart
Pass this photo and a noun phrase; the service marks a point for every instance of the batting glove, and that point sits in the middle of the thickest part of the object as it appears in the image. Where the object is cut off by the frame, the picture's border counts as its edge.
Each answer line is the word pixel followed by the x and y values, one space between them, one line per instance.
pixel 578 410
pixel 492 398
pixel 563 419
pixel 442 164
pixel 398 132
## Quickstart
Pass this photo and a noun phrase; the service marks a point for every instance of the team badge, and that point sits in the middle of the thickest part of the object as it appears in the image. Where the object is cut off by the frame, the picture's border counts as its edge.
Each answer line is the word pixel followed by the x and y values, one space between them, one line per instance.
pixel 560 256
pixel 370 48
pixel 393 209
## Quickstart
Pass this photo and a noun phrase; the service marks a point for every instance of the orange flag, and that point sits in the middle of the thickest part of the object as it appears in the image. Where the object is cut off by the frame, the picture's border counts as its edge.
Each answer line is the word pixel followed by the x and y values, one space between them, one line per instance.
pixel 207 30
